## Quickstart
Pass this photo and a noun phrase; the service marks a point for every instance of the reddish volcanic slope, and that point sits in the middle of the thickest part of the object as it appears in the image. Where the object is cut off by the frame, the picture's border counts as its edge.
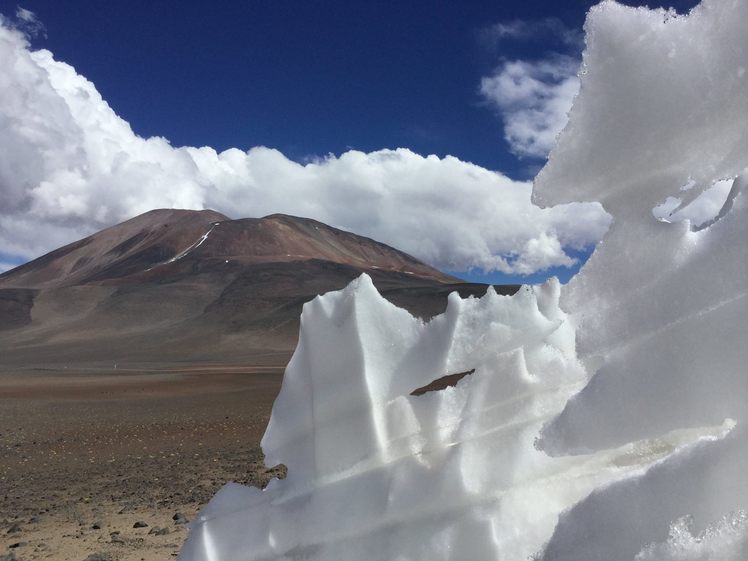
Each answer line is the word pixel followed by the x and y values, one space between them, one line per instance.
pixel 160 242
pixel 126 248
pixel 178 285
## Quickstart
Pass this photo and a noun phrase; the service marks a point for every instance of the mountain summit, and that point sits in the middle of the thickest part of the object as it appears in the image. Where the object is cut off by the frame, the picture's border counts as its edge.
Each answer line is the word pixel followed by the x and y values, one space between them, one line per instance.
pixel 182 285
pixel 167 241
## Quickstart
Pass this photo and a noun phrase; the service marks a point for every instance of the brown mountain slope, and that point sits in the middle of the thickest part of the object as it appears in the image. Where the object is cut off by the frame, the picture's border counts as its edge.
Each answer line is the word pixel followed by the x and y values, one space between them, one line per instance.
pixel 184 286
pixel 165 242
pixel 129 247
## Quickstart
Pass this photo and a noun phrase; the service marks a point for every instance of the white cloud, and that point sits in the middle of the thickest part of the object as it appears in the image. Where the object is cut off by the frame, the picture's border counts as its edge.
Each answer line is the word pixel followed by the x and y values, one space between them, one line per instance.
pixel 70 166
pixel 533 30
pixel 533 99
pixel 28 23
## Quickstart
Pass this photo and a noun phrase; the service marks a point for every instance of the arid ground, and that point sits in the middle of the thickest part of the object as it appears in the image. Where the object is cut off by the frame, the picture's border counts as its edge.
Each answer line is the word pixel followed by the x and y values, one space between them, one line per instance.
pixel 86 453
pixel 97 438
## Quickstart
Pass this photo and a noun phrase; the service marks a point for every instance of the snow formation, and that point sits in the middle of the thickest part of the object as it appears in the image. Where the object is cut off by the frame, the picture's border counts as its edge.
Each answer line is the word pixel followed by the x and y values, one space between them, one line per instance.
pixel 604 420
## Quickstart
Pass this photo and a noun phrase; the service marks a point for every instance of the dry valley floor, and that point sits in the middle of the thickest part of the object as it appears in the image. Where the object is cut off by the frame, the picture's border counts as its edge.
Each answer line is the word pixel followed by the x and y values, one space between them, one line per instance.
pixel 102 464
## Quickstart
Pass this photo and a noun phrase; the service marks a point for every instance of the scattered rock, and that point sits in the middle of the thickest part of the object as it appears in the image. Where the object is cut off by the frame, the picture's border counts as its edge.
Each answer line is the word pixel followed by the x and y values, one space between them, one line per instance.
pixel 14 529
pixel 156 531
pixel 179 518
pixel 116 538
pixel 96 526
pixel 140 524
pixel 99 557
pixel 9 557
pixel 18 544
pixel 33 520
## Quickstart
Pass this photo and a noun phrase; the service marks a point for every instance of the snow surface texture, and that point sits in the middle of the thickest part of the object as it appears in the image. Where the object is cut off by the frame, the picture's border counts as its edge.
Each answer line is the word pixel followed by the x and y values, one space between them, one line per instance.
pixel 661 309
pixel 616 432
pixel 725 541
pixel 376 473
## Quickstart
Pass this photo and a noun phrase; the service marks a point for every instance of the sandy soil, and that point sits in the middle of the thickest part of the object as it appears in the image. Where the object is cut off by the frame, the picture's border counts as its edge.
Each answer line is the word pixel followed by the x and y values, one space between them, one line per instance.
pixel 85 455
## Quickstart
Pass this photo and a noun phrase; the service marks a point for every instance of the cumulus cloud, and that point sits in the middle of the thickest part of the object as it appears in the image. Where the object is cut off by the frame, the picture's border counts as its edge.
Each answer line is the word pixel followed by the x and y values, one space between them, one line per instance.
pixel 70 166
pixel 533 99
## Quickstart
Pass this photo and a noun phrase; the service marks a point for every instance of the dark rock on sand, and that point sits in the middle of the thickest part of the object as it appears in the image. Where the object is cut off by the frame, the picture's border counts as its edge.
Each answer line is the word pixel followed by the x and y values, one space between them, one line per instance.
pixel 99 557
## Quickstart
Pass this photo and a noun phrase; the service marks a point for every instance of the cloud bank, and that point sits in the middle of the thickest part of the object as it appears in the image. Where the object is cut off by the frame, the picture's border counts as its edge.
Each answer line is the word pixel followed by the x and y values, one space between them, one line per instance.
pixel 70 166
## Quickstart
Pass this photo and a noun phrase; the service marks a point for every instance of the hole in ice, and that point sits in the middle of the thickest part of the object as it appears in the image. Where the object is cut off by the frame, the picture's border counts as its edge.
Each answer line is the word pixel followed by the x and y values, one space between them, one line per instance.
pixel 703 207
pixel 448 381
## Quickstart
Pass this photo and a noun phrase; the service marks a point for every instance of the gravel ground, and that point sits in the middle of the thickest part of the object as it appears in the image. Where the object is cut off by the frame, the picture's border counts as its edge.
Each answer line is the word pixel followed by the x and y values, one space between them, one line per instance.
pixel 95 466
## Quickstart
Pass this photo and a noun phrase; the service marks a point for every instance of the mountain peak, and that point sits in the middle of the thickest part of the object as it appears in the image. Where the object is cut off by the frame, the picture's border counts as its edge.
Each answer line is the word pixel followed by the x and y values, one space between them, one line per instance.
pixel 196 285
pixel 176 242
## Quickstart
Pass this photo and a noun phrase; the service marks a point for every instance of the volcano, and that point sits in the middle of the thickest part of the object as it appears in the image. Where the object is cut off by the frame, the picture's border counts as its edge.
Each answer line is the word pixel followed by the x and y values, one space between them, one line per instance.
pixel 196 286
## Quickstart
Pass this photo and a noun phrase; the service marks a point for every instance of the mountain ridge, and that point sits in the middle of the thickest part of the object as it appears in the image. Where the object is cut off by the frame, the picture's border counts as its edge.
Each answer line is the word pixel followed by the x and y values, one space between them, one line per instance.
pixel 174 286
pixel 163 237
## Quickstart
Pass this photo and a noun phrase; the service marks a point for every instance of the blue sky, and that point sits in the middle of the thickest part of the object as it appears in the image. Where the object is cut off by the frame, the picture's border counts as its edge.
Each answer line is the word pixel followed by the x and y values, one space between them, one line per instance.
pixel 312 78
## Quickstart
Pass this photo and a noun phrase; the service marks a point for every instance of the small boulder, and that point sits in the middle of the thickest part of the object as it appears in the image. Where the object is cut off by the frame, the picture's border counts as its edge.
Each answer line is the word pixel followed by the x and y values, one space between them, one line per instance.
pixel 116 538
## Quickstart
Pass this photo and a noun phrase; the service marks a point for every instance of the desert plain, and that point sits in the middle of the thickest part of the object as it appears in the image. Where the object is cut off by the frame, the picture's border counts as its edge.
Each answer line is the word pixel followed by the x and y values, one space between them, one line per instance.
pixel 89 453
